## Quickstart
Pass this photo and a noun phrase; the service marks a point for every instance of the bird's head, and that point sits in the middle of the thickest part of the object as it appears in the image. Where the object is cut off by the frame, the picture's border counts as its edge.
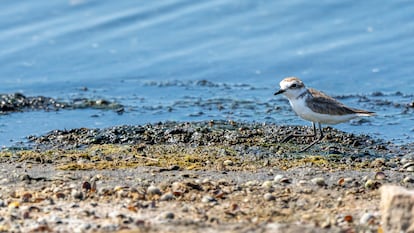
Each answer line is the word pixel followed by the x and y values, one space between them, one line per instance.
pixel 291 87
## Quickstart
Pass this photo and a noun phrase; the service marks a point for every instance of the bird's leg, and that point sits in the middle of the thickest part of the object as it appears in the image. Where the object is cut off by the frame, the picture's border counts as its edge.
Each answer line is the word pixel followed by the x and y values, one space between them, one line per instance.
pixel 317 140
pixel 294 135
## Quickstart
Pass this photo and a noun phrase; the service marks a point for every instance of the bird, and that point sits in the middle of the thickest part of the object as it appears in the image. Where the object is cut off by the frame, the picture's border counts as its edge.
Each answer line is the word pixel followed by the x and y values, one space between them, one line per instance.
pixel 315 106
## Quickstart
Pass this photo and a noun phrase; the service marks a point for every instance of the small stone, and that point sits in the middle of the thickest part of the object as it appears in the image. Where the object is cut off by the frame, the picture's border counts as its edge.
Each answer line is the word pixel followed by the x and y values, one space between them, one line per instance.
pixel 408 179
pixel 169 215
pixel 27 197
pixel 408 166
pixel 372 184
pixel 367 219
pixel 278 177
pixel 228 162
pixel 267 184
pixel 251 183
pixel 174 168
pixel 320 181
pixel 303 182
pixel 348 218
pixel 380 175
pixel 13 205
pixel 110 227
pixel 83 227
pixel 167 197
pixel 378 162
pixel 60 195
pixel 87 186
pixel 153 190
pixel 208 199
pixel 77 194
pixel 178 187
pixel 285 180
pixel 118 188
pixel 397 209
pixel 369 184
pixel 269 197
pixel 25 177
pixel 26 215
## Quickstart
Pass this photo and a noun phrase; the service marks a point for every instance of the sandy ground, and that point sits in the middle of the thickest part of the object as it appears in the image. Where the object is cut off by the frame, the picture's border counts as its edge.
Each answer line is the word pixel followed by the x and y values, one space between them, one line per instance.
pixel 247 182
pixel 144 199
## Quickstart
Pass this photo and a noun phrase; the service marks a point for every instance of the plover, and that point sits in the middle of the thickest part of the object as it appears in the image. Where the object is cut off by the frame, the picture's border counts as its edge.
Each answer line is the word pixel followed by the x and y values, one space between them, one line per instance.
pixel 313 105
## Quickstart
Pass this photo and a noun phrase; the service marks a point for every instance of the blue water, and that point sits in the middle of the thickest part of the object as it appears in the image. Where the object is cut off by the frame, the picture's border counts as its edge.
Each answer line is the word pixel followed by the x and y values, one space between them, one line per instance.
pixel 151 55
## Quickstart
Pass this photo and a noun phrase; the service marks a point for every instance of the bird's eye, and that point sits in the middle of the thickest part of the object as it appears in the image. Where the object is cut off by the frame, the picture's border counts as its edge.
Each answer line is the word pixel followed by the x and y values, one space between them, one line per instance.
pixel 294 85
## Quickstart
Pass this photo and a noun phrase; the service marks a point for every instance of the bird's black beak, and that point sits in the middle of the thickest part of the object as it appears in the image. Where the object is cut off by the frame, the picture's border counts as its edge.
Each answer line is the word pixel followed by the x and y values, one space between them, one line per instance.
pixel 279 92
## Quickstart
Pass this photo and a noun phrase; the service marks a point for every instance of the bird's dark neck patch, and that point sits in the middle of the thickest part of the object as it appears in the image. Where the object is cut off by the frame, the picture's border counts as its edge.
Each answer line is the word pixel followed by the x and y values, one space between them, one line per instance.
pixel 303 94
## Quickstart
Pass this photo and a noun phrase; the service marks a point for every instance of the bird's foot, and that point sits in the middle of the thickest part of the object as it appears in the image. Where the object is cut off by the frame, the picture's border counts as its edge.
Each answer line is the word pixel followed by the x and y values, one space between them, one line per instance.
pixel 310 145
pixel 295 135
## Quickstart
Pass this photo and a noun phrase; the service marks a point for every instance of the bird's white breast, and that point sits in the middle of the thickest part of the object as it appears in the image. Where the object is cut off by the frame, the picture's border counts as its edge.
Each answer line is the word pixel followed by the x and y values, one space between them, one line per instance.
pixel 300 107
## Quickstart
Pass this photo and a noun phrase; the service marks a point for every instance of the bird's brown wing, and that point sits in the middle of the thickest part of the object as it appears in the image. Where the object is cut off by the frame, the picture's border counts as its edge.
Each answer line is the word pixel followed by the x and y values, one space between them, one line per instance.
pixel 324 104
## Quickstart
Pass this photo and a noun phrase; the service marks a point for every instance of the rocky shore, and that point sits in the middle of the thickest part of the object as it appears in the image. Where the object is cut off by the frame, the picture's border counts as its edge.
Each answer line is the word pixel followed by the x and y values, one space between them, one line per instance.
pixel 17 102
pixel 216 176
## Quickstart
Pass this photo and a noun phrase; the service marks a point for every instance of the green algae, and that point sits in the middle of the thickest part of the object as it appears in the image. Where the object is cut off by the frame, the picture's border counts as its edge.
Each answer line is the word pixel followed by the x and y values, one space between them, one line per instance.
pixel 114 156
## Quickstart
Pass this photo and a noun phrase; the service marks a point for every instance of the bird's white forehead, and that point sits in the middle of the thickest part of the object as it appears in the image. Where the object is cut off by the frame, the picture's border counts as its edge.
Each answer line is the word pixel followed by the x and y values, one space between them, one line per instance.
pixel 287 82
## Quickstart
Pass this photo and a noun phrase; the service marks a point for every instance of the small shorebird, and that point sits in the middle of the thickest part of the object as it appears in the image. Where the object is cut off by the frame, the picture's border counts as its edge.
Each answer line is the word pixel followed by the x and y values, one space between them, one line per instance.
pixel 313 105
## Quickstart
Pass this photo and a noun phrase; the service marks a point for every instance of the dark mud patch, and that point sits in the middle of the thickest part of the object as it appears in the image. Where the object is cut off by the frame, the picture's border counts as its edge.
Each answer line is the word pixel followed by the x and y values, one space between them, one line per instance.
pixel 207 145
pixel 17 102
pixel 203 133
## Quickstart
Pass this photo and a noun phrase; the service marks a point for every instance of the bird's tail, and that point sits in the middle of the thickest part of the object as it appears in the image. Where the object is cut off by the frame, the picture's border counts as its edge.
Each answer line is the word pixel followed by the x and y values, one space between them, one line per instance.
pixel 364 112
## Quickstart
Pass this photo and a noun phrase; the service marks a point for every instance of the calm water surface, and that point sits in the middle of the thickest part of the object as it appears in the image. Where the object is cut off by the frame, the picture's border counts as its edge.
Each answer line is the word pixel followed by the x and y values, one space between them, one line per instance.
pixel 197 60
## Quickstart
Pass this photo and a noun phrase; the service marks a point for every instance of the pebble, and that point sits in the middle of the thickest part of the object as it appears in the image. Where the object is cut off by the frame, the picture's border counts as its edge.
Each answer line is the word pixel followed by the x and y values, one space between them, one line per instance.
pixel 87 186
pixel 174 168
pixel 77 194
pixel 178 187
pixel 408 179
pixel 269 197
pixel 208 199
pixel 169 215
pixel 341 181
pixel 13 205
pixel 378 162
pixel 82 228
pixel 372 184
pixel 367 219
pixel 410 169
pixel 153 190
pixel 27 197
pixel 320 181
pixel 409 166
pixel 278 177
pixel 25 177
pixel 251 183
pixel 302 182
pixel 110 228
pixel 267 184
pixel 228 162
pixel 167 197
pixel 380 176
pixel 348 218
